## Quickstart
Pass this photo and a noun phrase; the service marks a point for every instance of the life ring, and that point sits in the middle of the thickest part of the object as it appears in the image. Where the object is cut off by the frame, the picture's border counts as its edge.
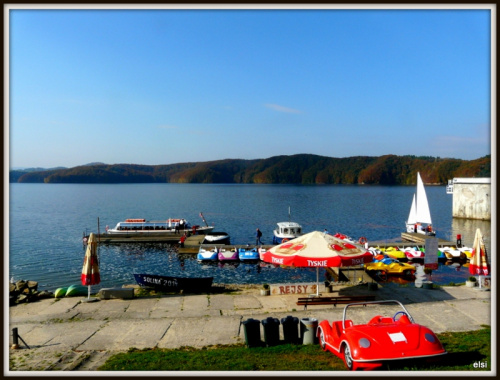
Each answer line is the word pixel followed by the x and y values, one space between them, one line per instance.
pixel 362 240
pixel 285 240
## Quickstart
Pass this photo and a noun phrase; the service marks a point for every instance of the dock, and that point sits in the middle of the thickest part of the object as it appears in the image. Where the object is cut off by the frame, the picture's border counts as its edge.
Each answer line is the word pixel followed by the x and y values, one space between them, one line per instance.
pixel 410 239
pixel 194 243
pixel 119 239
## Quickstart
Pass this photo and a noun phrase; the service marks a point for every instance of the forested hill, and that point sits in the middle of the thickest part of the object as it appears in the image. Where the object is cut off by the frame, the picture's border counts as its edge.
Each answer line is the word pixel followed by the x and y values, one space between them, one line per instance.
pixel 296 169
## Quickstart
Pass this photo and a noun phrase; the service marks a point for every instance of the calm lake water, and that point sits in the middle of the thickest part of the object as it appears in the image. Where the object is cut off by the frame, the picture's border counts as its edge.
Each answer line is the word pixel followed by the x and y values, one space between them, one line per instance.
pixel 47 221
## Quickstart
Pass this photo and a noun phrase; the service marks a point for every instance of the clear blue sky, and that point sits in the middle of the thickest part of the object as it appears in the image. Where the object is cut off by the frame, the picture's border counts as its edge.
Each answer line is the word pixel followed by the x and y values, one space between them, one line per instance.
pixel 166 86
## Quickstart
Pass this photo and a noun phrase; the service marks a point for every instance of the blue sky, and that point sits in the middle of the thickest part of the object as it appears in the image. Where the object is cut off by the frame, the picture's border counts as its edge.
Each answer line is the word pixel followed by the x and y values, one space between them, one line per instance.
pixel 166 86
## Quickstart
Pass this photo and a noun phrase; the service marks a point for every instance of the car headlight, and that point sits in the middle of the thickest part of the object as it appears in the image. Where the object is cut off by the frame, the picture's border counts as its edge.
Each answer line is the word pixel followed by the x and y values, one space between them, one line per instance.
pixel 363 342
pixel 430 338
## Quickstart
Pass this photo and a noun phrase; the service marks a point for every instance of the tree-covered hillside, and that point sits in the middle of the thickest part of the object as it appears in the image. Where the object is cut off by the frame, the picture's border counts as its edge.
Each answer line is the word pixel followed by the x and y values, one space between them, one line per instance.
pixel 296 169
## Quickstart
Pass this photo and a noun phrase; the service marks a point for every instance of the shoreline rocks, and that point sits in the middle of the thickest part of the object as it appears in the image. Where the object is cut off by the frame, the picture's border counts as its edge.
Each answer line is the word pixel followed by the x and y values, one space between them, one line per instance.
pixel 26 291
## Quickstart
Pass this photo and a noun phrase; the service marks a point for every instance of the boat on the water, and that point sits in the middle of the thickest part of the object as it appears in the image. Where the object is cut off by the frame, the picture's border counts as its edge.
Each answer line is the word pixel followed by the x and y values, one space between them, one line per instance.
pixel 286 231
pixel 143 227
pixel 228 254
pixel 216 238
pixel 142 230
pixel 167 283
pixel 452 253
pixel 419 219
pixel 248 254
pixel 208 254
pixel 414 253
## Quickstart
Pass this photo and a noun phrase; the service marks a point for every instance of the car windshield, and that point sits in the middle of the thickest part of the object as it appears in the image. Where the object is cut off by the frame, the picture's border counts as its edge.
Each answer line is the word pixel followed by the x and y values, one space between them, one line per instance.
pixel 386 309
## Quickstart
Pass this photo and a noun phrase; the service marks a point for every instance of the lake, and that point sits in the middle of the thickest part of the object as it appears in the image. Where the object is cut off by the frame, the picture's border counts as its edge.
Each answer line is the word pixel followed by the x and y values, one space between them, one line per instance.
pixel 47 222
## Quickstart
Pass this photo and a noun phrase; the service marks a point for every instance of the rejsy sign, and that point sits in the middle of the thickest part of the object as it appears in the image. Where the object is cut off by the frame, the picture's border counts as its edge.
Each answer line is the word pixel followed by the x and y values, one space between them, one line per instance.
pixel 281 289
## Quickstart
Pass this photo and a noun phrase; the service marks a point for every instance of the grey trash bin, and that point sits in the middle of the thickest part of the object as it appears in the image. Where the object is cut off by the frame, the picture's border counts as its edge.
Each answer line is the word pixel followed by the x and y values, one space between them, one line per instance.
pixel 290 329
pixel 271 331
pixel 308 327
pixel 251 328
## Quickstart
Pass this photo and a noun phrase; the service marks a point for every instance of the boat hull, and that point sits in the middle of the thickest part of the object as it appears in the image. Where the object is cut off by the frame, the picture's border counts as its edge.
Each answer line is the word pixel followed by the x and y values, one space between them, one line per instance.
pixel 216 238
pixel 248 254
pixel 167 283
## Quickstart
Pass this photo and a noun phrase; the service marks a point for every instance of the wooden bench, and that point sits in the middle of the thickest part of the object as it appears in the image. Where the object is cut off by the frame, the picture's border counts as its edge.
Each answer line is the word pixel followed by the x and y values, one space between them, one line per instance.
pixel 336 300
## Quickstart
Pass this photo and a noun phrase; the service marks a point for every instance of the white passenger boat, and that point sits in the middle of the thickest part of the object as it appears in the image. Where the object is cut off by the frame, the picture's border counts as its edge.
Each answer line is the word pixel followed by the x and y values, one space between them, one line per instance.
pixel 419 219
pixel 286 231
pixel 143 227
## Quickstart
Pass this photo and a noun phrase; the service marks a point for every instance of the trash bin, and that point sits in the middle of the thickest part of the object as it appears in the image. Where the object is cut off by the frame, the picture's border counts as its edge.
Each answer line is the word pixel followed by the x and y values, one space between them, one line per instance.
pixel 308 328
pixel 271 331
pixel 252 332
pixel 290 329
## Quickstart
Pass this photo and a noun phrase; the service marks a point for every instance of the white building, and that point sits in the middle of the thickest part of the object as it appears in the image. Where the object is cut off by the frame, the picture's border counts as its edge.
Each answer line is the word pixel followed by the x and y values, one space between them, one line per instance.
pixel 471 197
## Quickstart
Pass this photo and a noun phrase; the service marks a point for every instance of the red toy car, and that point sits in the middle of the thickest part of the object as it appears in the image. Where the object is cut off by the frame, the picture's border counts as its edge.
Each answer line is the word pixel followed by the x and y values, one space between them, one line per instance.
pixel 368 346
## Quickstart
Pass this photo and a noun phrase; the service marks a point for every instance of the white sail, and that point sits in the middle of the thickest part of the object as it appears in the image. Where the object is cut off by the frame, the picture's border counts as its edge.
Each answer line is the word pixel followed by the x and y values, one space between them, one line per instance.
pixel 412 218
pixel 423 212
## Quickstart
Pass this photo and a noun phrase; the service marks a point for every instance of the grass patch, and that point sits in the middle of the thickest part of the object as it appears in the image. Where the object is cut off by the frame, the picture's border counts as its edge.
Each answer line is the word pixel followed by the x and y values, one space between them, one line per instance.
pixel 226 358
pixel 464 350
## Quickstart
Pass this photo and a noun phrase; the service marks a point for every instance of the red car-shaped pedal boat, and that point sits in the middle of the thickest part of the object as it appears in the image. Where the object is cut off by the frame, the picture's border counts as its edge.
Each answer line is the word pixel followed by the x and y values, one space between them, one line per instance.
pixel 368 346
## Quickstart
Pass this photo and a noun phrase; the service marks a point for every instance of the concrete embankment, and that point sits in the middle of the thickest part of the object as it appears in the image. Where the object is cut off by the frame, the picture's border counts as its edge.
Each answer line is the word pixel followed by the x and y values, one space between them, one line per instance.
pixel 68 334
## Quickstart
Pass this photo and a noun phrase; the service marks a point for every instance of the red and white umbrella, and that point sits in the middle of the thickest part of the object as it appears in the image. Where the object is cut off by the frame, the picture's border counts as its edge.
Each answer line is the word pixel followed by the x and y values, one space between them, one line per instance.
pixel 479 260
pixel 317 249
pixel 90 271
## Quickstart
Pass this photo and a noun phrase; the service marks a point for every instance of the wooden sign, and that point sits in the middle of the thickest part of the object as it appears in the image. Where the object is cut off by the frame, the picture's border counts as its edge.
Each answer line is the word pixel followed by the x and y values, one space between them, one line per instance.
pixel 299 289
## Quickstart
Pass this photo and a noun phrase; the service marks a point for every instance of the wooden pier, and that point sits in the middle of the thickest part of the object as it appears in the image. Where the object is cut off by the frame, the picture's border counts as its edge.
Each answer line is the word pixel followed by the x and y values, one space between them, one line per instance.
pixel 410 239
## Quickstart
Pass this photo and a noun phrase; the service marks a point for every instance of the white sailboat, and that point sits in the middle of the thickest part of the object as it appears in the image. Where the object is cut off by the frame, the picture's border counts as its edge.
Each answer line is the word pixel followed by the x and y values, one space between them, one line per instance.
pixel 419 220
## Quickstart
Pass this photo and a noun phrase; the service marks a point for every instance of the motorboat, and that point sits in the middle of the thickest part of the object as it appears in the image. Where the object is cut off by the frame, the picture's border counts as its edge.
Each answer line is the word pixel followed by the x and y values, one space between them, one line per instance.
pixel 208 254
pixel 419 220
pixel 216 238
pixel 286 231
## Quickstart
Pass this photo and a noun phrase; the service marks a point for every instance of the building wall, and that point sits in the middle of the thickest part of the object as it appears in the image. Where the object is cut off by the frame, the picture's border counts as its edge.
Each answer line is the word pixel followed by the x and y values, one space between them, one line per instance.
pixel 472 200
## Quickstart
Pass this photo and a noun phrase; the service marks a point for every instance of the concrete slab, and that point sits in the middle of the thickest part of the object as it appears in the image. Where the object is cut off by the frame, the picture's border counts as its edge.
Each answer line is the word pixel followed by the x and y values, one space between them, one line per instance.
pixel 168 306
pixel 143 334
pixel 140 308
pixel 103 309
pixel 478 313
pixel 200 332
pixel 112 334
pixel 244 301
pixel 59 336
pixel 273 303
pixel 193 305
pixel 221 302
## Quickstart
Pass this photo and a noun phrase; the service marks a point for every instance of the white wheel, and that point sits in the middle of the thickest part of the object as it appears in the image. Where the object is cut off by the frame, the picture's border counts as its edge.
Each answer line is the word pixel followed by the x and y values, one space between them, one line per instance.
pixel 348 357
pixel 322 340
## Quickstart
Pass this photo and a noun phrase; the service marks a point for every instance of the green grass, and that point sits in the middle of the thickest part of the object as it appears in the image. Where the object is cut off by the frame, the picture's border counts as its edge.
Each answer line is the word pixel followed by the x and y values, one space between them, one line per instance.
pixel 464 349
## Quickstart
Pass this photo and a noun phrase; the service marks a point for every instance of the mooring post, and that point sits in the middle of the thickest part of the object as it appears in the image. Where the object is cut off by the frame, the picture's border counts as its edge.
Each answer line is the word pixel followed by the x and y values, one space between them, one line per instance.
pixel 15 337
